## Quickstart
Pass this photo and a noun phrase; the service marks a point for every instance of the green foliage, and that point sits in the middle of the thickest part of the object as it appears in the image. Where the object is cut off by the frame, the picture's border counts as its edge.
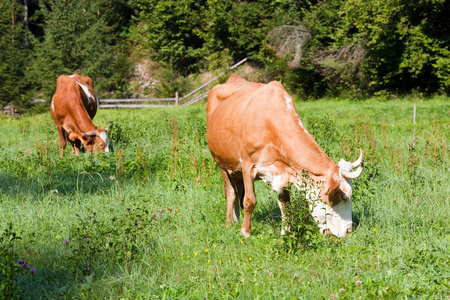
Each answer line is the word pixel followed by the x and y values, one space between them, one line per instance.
pixel 162 166
pixel 11 267
pixel 14 54
pixel 402 42
pixel 80 45
pixel 301 230
pixel 126 236
pixel 171 29
pixel 353 48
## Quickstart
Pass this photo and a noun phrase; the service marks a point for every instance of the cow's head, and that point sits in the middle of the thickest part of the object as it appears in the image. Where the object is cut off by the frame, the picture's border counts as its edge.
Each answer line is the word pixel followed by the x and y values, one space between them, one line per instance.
pixel 96 140
pixel 334 210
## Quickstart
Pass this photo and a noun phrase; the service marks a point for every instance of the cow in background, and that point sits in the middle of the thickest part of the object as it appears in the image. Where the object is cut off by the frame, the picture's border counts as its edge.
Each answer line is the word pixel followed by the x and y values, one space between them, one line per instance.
pixel 73 107
pixel 254 132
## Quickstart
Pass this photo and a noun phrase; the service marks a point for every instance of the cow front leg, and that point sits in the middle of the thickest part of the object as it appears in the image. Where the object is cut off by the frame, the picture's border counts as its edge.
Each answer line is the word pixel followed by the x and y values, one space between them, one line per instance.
pixel 283 200
pixel 249 201
pixel 75 141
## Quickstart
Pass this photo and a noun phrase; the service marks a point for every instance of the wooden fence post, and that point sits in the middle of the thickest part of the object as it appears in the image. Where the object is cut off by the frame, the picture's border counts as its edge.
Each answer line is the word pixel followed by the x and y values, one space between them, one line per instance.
pixel 176 99
pixel 414 124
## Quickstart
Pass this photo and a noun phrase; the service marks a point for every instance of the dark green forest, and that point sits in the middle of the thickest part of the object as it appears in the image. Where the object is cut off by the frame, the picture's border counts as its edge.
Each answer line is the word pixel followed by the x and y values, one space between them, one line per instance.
pixel 354 48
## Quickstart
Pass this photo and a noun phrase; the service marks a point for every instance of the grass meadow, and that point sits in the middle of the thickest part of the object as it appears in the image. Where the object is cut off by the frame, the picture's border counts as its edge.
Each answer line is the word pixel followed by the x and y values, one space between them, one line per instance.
pixel 148 221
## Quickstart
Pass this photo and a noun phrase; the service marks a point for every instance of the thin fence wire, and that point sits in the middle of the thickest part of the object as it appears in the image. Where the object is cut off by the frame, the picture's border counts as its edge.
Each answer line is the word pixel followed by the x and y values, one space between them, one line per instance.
pixel 171 102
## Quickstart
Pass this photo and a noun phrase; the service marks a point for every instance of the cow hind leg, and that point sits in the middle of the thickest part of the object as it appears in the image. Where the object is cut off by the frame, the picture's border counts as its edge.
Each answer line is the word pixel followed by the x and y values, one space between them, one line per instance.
pixel 249 200
pixel 230 196
pixel 239 188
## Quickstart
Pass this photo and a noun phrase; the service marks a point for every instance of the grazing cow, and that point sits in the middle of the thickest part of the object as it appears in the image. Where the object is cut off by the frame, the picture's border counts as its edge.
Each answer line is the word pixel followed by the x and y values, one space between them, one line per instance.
pixel 254 132
pixel 73 107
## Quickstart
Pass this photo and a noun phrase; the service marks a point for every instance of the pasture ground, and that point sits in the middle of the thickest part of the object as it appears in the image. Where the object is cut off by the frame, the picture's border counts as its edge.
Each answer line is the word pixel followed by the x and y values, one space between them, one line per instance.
pixel 148 221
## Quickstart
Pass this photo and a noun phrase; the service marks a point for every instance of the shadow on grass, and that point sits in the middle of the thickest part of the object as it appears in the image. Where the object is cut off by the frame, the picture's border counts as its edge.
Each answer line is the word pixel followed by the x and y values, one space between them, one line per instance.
pixel 267 213
pixel 62 183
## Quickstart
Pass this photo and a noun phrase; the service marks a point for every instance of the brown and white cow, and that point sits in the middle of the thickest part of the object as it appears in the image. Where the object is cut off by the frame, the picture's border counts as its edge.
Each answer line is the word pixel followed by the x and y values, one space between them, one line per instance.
pixel 254 132
pixel 73 107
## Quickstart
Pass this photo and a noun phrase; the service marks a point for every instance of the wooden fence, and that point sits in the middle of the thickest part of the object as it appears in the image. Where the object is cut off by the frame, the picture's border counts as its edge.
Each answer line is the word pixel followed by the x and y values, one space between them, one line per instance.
pixel 171 102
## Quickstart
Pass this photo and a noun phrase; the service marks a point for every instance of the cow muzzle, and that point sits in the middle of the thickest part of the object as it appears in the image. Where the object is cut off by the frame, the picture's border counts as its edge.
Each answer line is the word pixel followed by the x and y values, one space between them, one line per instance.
pixel 327 232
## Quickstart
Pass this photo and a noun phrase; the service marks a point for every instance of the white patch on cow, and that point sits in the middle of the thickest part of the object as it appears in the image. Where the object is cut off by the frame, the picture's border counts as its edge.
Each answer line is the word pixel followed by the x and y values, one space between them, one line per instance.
pixel 72 76
pixel 277 184
pixel 104 137
pixel 86 91
pixel 53 106
pixel 270 175
pixel 288 102
pixel 302 126
pixel 337 219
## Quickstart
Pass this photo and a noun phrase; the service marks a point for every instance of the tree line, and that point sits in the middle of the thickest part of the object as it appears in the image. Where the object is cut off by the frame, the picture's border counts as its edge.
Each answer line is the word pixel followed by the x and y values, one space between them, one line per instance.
pixel 315 48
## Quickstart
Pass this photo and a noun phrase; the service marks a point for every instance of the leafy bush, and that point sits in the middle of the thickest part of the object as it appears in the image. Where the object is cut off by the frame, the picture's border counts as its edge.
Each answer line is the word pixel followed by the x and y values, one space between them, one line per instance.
pixel 301 230
pixel 10 264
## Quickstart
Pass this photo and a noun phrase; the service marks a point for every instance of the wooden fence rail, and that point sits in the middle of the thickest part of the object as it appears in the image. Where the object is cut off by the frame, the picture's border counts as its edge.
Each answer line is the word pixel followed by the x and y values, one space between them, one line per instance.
pixel 171 102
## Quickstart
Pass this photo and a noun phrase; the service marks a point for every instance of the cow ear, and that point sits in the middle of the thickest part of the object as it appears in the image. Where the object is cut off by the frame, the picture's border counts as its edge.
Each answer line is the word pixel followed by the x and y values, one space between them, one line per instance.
pixel 67 129
pixel 74 136
pixel 332 183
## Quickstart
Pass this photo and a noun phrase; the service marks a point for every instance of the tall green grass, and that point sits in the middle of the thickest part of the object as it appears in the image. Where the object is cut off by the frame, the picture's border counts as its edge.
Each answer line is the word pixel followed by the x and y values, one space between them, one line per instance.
pixel 154 210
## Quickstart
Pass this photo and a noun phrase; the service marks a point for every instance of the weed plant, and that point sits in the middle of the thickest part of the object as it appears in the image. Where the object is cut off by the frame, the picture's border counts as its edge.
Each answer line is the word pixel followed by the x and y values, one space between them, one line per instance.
pixel 148 220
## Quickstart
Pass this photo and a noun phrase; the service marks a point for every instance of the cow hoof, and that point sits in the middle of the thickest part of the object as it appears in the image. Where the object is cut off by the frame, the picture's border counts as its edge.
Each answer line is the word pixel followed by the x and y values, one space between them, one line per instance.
pixel 245 233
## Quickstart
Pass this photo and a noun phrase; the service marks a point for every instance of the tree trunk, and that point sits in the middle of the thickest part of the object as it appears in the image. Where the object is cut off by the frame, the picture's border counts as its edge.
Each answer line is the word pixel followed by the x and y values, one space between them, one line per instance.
pixel 12 21
pixel 25 22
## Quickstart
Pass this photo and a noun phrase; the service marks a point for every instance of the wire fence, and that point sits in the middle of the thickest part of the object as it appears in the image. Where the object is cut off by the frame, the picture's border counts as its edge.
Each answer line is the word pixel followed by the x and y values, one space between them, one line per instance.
pixel 196 95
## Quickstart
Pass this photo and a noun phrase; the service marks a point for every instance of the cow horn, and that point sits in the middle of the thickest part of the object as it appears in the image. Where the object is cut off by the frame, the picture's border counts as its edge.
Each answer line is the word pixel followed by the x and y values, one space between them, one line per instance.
pixel 359 160
pixel 93 132
pixel 352 174
pixel 107 128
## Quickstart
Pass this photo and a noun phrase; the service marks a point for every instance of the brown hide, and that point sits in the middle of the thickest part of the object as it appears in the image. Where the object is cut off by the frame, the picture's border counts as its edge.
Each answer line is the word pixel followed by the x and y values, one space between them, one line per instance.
pixel 254 127
pixel 72 111
pixel 91 104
